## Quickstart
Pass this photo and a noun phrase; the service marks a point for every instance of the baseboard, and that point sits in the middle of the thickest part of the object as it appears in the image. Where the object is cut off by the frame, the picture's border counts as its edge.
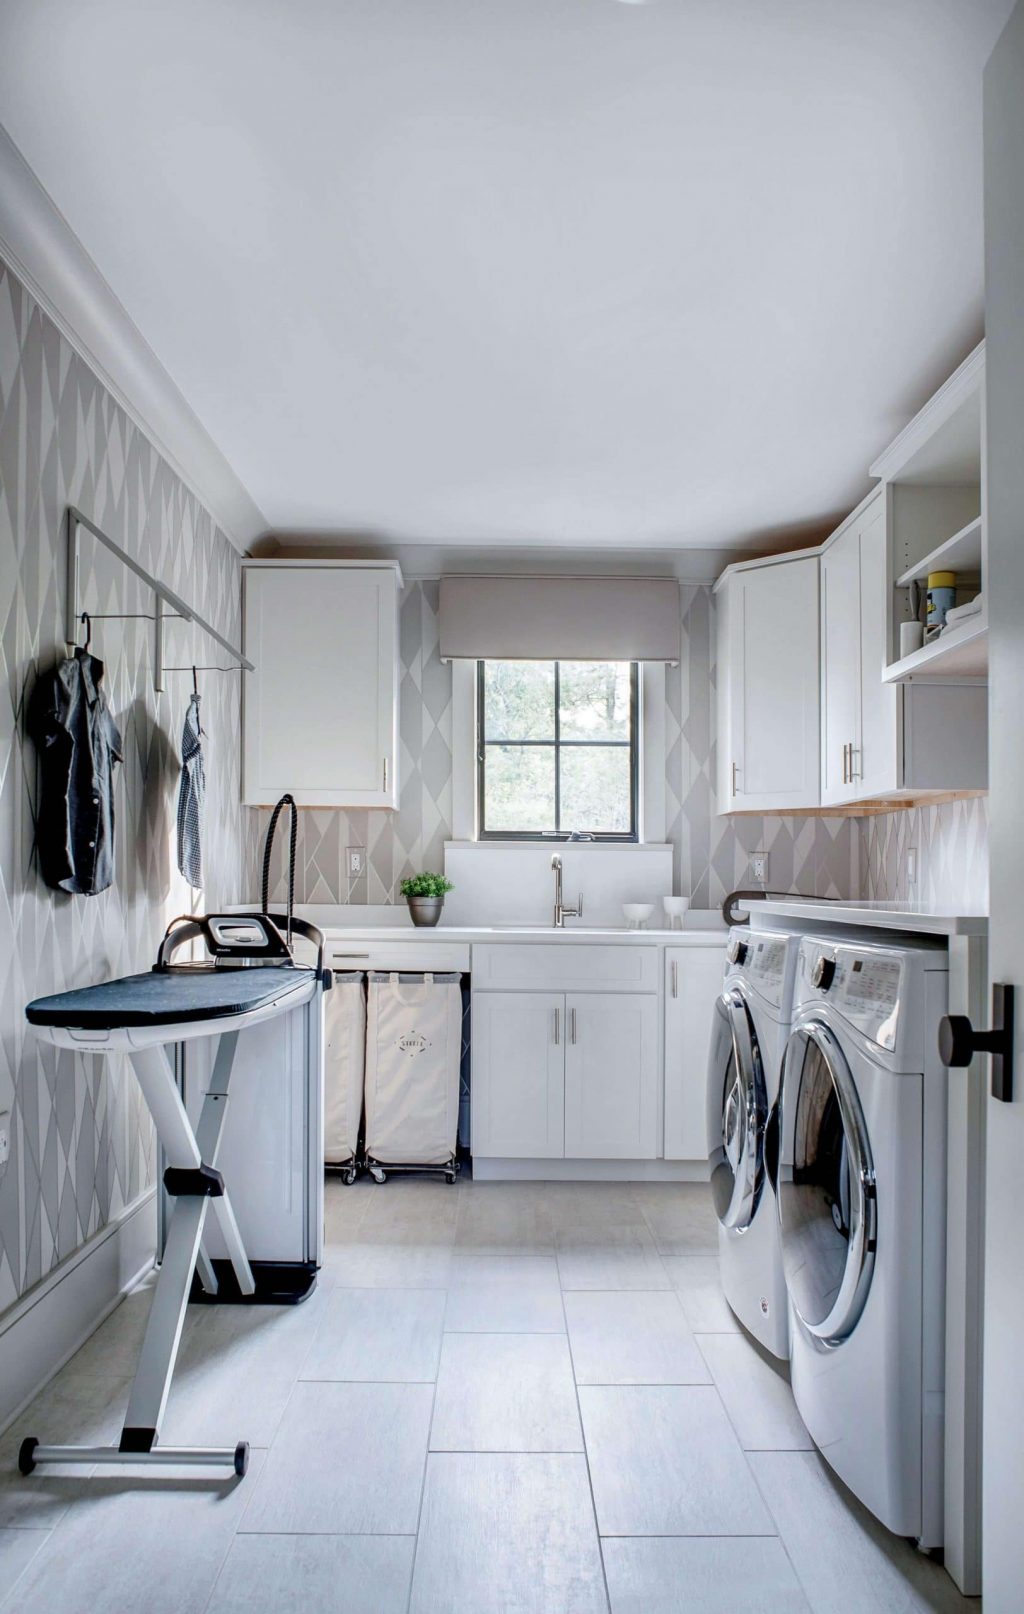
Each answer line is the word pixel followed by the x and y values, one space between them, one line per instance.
pixel 43 1330
pixel 590 1170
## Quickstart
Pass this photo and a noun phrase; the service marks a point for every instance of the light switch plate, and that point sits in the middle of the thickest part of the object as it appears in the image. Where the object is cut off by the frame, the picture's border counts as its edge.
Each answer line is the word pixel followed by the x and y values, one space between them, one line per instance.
pixel 759 867
pixel 5 1137
pixel 355 861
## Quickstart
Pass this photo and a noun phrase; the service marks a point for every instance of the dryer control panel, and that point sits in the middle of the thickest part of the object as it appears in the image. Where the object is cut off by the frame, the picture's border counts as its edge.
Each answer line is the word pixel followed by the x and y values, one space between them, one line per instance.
pixel 865 985
pixel 761 960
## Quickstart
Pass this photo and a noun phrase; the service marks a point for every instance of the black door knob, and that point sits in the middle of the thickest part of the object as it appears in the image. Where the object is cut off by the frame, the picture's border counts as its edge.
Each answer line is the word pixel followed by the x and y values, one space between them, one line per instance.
pixel 959 1042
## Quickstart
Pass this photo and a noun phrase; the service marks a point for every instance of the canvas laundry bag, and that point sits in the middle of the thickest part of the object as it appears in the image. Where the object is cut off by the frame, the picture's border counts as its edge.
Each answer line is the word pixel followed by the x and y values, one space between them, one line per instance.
pixel 344 1066
pixel 413 1048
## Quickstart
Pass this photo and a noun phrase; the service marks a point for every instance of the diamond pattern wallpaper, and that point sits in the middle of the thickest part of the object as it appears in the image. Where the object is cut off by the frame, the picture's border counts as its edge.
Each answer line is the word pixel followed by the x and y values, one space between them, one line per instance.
pixel 81 1142
pixel 951 841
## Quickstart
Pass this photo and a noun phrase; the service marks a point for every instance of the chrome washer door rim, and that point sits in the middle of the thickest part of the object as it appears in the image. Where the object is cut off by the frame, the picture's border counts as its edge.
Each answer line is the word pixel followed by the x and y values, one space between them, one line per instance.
pixel 854 1209
pixel 743 1115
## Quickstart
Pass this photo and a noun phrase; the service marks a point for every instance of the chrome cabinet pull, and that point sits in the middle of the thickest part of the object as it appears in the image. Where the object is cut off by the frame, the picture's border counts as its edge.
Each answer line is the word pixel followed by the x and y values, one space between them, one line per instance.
pixel 557 1033
pixel 734 790
pixel 854 773
pixel 572 1027
pixel 385 784
pixel 846 764
pixel 675 978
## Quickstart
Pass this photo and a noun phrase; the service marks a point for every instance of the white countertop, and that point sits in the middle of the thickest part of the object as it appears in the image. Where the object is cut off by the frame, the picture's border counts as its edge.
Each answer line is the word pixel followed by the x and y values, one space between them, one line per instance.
pixel 917 918
pixel 704 928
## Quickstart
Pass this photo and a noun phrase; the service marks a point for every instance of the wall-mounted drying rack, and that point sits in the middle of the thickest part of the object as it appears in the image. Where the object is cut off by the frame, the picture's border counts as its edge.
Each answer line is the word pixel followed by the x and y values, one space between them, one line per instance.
pixel 166 605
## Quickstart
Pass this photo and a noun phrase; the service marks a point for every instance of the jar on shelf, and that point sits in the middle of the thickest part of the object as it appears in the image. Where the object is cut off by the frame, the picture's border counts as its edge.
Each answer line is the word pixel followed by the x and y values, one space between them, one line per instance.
pixel 941 598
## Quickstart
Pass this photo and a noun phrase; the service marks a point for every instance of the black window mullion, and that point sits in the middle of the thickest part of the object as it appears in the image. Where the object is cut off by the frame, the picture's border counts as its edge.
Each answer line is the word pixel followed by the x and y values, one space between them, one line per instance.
pixel 558 749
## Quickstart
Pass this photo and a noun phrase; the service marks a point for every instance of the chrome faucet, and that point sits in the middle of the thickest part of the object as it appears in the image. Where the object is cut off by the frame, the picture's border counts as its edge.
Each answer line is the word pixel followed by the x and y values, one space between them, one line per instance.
pixel 562 913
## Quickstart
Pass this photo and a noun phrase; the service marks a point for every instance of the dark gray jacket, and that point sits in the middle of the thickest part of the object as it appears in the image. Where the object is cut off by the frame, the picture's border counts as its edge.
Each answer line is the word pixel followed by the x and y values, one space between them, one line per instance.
pixel 79 745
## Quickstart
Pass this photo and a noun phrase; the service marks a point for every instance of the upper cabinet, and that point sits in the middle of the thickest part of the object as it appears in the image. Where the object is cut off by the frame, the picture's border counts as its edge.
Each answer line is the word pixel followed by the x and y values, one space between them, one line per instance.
pixel 768 685
pixel 320 716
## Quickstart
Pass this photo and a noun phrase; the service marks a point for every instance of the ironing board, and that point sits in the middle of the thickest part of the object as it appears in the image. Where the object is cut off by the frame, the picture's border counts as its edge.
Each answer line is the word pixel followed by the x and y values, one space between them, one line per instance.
pixel 141 1015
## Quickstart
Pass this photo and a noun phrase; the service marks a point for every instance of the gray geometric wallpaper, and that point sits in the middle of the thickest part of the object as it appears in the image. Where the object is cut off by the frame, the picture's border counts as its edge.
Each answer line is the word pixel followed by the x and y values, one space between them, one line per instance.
pixel 951 841
pixel 82 1144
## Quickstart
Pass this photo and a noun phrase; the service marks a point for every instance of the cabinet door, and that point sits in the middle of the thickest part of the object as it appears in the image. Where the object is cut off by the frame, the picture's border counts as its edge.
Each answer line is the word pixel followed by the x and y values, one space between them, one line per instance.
pixel 321 709
pixel 518 1108
pixel 775 721
pixel 693 981
pixel 841 671
pixel 611 1077
pixel 876 761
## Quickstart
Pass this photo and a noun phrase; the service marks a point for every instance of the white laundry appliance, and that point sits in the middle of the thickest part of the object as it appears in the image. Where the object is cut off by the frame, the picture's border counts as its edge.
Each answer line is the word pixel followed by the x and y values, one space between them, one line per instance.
pixel 749 1035
pixel 861 1193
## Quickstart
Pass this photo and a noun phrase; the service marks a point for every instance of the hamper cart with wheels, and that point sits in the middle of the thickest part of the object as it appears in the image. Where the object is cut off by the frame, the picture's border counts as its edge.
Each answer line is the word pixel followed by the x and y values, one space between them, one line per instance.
pixel 413 1051
pixel 344 1071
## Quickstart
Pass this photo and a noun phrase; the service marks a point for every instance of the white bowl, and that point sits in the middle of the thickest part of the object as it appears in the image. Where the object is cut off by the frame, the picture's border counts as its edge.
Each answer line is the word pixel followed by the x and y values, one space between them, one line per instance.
pixel 675 907
pixel 637 913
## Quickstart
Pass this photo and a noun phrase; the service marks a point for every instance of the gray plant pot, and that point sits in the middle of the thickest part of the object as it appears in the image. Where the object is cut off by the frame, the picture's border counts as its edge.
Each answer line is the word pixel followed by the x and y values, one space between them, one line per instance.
pixel 425 910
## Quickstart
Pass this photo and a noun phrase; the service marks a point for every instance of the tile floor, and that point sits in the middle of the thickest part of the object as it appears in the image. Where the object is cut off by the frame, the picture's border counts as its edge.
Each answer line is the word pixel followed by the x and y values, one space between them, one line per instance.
pixel 527 1398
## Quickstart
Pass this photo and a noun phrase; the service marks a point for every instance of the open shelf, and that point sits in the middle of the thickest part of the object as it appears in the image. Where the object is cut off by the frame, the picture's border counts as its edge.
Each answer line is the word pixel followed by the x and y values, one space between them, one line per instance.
pixel 961 553
pixel 959 652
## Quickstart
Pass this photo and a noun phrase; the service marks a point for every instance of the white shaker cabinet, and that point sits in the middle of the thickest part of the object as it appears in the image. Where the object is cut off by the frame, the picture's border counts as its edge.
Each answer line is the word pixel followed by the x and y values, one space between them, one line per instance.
pixel 768 685
pixel 320 716
pixel 611 1077
pixel 518 1109
pixel 693 981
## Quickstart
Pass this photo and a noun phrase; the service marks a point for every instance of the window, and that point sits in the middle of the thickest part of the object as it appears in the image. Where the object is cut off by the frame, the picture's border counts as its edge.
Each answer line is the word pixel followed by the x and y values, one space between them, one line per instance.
pixel 557 749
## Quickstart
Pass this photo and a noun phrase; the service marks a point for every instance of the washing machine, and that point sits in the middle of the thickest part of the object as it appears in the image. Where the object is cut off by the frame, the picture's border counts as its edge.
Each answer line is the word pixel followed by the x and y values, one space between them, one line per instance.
pixel 860 1185
pixel 749 1034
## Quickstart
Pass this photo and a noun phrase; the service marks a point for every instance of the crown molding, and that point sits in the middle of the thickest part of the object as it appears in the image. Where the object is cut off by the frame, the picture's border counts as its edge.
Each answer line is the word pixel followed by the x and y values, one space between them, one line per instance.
pixel 43 251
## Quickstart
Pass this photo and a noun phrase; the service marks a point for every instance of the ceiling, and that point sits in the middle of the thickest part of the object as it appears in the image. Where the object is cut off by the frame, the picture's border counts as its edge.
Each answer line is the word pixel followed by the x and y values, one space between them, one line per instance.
pixel 527 272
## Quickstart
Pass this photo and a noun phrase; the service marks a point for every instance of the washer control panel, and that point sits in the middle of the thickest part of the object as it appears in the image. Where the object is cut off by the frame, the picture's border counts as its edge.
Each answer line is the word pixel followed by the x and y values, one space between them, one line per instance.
pixel 864 985
pixel 761 959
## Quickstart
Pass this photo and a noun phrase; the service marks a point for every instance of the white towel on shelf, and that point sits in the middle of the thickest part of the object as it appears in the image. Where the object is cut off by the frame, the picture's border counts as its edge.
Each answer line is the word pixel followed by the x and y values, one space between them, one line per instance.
pixel 959 613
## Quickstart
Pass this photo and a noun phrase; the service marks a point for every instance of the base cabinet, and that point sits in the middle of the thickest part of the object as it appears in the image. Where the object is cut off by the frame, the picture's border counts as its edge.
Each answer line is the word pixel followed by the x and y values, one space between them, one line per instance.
pixel 611 1078
pixel 519 1075
pixel 693 980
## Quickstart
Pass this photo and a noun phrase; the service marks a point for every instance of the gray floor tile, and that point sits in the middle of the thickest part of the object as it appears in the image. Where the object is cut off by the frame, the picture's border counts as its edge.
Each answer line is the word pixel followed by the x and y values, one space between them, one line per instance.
pixel 504 1294
pixel 847 1562
pixel 135 1542
pixel 701 1575
pixel 597 1213
pixel 681 1217
pixel 756 1395
pixel 632 1338
pixel 17 1549
pixel 305 1574
pixel 382 1335
pixel 665 1461
pixel 628 1266
pixel 697 1281
pixel 366 1265
pixel 505 1392
pixel 507 1532
pixel 504 1219
pixel 347 1460
pixel 89 1413
pixel 410 1210
pixel 344 1207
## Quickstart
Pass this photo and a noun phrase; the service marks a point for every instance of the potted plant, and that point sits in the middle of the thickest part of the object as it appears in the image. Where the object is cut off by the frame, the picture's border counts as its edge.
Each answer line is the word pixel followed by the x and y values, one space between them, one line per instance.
pixel 425 895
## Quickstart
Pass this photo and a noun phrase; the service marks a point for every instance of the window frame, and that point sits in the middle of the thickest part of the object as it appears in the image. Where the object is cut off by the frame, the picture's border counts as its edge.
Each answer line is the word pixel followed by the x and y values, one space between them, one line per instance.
pixel 609 837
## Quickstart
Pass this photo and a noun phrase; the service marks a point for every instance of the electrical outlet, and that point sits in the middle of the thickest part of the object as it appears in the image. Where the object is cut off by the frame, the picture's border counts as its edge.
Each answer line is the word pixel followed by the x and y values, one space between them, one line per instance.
pixel 759 867
pixel 911 867
pixel 5 1137
pixel 355 857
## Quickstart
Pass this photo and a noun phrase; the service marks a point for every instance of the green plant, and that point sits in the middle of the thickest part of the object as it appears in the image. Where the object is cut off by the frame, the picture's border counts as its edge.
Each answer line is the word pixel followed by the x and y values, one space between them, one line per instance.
pixel 426 885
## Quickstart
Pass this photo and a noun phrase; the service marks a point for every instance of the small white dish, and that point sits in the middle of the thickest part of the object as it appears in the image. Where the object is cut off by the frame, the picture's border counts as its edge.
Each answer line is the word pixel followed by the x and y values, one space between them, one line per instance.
pixel 637 913
pixel 675 909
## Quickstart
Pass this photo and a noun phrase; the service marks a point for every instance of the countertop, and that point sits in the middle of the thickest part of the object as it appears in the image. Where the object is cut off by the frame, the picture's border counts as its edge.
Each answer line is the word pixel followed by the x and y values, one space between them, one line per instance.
pixel 915 918
pixel 704 928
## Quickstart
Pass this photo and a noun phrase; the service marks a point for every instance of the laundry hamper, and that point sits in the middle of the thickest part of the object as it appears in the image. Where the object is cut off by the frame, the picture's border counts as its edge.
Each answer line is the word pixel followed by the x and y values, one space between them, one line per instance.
pixel 413 1051
pixel 344 1070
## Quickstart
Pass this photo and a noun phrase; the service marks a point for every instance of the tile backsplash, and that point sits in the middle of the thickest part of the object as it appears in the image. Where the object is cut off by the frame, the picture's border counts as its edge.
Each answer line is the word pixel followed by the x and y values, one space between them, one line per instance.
pixel 950 841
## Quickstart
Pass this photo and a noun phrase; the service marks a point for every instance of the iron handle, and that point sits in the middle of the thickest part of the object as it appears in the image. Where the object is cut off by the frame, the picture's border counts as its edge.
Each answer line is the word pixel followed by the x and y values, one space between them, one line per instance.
pixel 675 978
pixel 959 1042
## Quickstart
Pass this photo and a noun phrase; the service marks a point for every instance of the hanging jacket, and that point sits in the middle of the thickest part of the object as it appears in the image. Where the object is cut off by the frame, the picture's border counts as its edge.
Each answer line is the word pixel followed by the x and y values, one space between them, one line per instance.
pixel 79 745
pixel 191 795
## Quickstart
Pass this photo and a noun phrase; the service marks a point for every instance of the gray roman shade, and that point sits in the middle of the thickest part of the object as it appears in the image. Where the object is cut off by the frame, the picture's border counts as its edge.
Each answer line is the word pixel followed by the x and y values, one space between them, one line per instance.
pixel 560 619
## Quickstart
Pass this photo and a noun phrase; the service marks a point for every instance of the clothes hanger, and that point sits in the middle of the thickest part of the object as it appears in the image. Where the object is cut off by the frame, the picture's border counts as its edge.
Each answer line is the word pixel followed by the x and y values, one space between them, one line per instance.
pixel 87 620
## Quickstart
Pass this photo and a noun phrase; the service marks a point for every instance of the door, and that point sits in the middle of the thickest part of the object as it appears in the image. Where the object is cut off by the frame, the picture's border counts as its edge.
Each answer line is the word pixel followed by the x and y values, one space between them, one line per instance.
pixel 611 1077
pixel 693 981
pixel 825 1186
pixel 775 733
pixel 1002 1536
pixel 737 1113
pixel 320 710
pixel 518 1075
pixel 841 665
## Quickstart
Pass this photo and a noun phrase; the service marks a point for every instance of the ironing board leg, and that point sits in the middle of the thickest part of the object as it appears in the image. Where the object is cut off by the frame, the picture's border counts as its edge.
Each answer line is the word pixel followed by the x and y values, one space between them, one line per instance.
pixel 208 1135
pixel 152 1381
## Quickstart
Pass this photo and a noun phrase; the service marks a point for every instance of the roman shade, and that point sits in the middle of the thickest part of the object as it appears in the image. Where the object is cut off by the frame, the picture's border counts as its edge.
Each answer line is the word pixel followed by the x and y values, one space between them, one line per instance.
pixel 560 619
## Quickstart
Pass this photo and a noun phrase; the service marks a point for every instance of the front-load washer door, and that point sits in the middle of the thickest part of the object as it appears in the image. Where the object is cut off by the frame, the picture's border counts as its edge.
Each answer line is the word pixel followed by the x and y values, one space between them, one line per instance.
pixel 737 1113
pixel 825 1186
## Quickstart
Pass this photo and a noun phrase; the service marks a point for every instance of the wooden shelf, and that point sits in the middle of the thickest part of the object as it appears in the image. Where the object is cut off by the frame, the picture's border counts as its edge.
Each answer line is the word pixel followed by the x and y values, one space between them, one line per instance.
pixel 959 652
pixel 961 553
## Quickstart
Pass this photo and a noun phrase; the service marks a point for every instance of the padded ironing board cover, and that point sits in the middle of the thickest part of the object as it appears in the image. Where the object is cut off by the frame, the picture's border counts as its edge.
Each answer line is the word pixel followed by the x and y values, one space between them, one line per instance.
pixel 168 997
pixel 413 1049
pixel 344 1066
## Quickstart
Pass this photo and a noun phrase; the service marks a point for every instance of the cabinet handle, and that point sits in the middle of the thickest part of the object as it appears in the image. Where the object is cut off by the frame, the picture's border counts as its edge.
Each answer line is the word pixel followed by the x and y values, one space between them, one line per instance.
pixel 572 1027
pixel 853 772
pixel 846 765
pixel 734 792
pixel 385 784
pixel 675 978
pixel 557 1034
